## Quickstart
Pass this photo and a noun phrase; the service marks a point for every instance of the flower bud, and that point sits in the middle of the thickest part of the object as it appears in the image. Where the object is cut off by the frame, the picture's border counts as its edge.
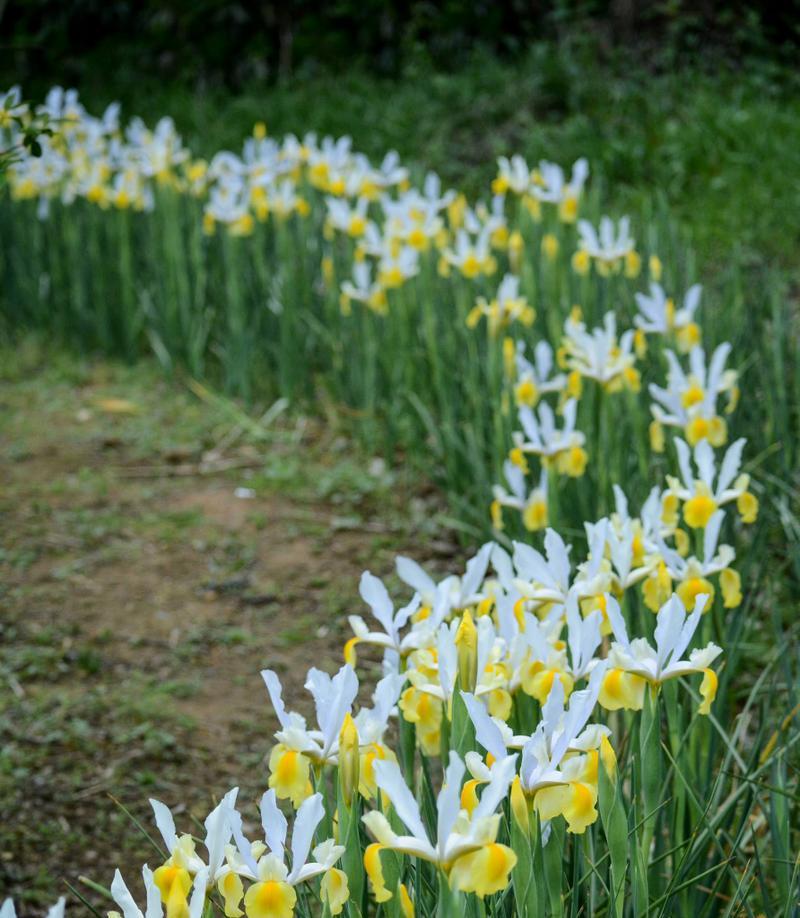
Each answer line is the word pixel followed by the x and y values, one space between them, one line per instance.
pixel 348 759
pixel 467 647
pixel 519 806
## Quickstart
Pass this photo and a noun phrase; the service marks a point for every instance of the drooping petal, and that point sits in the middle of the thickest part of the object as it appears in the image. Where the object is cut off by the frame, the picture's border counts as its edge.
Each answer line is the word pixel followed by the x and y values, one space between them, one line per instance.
pixel 485 871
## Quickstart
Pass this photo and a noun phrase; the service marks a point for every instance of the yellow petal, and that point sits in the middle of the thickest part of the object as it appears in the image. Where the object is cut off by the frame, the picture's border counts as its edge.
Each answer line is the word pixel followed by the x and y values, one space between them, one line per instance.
pixel 406 905
pixel 581 811
pixel 232 890
pixel 698 510
pixel 519 805
pixel 708 690
pixel 469 795
pixel 271 899
pixel 350 655
pixel 608 757
pixel 747 505
pixel 372 864
pixel 622 690
pixel 334 890
pixel 174 884
pixel 656 437
pixel 731 584
pixel 485 871
pixel 289 774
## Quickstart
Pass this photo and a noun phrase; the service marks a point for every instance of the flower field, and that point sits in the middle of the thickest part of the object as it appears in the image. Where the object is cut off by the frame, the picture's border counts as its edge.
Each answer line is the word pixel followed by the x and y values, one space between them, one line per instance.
pixel 594 713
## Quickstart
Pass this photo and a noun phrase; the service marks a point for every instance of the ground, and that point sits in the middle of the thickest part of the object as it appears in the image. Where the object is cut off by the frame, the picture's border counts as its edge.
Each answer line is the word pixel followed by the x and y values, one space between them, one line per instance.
pixel 141 594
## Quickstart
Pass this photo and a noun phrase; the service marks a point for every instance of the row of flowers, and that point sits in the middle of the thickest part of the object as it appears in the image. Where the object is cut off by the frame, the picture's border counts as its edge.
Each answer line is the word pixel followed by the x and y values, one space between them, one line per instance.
pixel 502 708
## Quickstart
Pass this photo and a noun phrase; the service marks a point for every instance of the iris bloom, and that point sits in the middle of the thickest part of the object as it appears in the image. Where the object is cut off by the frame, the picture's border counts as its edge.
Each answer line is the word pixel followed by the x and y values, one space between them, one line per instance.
pixel 440 680
pixel 599 355
pixel 376 596
pixel 547 659
pixel 658 315
pixel 558 770
pixel 272 893
pixel 348 219
pixel 704 494
pixel 174 877
pixel 513 175
pixel 364 290
pixel 609 246
pixel 153 908
pixel 563 449
pixel 460 592
pixel 396 267
pixel 533 378
pixel 471 254
pixel 465 848
pixel 690 400
pixel 692 574
pixel 298 747
pixel 506 307
pixel 633 542
pixel 633 665
pixel 549 185
pixel 531 505
pixel 543 580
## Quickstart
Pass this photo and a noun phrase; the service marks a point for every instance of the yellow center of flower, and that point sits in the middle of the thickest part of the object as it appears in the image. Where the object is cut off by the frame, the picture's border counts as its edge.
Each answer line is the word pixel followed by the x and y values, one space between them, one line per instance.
pixel 698 510
pixel 271 899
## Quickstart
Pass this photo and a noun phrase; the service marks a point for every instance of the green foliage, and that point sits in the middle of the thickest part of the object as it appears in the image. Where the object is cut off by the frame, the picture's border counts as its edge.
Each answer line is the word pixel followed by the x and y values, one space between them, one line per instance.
pixel 210 43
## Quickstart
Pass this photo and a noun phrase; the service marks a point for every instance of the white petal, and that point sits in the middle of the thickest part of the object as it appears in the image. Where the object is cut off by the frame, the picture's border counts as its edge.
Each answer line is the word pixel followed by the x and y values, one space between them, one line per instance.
pixel 119 891
pixel 275 690
pixel 390 780
pixel 487 733
pixel 411 573
pixel 448 802
pixel 218 830
pixel 308 818
pixel 165 823
pixel 502 773
pixel 198 901
pixel 273 823
pixel 730 465
pixel 376 596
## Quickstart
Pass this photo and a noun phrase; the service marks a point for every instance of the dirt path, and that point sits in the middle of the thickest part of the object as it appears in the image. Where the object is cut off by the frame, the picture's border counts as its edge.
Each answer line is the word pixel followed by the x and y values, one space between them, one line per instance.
pixel 138 604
